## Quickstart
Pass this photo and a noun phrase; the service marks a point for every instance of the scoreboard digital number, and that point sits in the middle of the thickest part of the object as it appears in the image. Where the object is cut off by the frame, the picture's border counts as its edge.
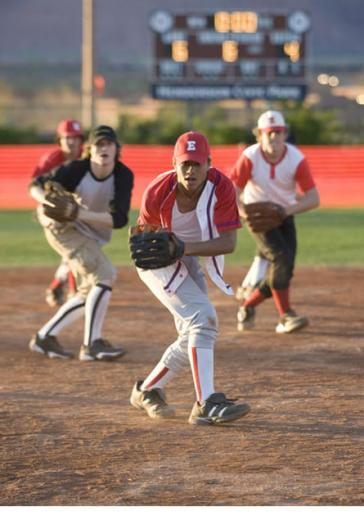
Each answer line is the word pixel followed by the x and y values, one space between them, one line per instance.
pixel 229 55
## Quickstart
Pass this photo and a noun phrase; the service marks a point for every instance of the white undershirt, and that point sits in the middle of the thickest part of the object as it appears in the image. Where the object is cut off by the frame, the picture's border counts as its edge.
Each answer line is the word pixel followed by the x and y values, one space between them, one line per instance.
pixel 186 225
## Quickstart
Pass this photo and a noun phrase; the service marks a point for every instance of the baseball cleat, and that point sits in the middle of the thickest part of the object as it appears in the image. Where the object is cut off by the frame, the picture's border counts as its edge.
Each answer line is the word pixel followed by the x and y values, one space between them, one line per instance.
pixel 291 322
pixel 217 409
pixel 246 318
pixel 100 349
pixel 49 346
pixel 154 402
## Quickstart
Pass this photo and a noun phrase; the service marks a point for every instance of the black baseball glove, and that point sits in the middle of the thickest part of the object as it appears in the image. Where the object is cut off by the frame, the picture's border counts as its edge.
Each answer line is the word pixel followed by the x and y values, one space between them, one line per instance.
pixel 61 204
pixel 151 250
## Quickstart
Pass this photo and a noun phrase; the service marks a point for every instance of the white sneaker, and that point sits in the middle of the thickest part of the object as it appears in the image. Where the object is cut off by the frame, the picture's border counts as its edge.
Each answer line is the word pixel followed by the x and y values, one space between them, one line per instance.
pixel 291 322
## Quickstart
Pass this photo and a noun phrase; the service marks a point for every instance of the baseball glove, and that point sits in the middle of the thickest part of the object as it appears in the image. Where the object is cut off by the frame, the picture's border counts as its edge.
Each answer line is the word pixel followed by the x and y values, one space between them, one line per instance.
pixel 152 247
pixel 264 216
pixel 61 205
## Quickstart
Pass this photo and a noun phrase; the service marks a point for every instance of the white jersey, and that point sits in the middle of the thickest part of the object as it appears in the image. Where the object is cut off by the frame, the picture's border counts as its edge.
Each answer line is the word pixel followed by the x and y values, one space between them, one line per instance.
pixel 263 180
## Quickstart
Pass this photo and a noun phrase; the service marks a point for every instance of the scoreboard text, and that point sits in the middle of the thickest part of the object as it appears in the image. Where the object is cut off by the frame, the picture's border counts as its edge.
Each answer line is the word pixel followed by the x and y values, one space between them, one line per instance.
pixel 229 54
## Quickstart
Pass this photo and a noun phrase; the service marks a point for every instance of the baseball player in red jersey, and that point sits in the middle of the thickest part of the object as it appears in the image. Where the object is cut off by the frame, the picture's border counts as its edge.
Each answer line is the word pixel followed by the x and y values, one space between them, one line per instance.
pixel 269 171
pixel 197 203
pixel 70 140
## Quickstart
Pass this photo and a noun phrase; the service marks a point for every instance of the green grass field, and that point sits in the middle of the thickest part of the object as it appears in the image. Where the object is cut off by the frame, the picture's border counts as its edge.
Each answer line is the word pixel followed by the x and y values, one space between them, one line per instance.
pixel 326 237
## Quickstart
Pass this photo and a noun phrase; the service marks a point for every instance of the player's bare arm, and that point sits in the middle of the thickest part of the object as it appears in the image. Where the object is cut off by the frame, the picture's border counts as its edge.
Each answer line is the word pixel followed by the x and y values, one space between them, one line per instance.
pixel 104 218
pixel 38 193
pixel 239 192
pixel 307 201
pixel 224 244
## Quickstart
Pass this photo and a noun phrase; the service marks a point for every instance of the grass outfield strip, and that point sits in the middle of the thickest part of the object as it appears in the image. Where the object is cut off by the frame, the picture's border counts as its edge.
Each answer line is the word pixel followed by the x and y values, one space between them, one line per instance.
pixel 327 237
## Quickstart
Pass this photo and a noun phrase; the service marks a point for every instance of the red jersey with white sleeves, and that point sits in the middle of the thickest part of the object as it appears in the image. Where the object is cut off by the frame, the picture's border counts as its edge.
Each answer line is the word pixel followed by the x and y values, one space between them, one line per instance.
pixel 263 180
pixel 216 212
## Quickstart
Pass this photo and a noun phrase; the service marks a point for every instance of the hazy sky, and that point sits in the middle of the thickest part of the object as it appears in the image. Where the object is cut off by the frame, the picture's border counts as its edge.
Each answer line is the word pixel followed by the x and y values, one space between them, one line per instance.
pixel 50 30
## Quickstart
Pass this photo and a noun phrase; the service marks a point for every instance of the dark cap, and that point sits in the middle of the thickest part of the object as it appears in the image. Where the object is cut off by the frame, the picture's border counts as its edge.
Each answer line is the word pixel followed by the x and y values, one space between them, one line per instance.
pixel 102 132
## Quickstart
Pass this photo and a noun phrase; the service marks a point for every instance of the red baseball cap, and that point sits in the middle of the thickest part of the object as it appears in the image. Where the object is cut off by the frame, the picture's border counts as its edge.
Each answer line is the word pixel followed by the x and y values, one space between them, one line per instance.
pixel 192 146
pixel 69 127
pixel 272 121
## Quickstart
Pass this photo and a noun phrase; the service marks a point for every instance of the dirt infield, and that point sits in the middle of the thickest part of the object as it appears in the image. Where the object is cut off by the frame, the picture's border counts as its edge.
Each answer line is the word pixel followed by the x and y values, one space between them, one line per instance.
pixel 70 437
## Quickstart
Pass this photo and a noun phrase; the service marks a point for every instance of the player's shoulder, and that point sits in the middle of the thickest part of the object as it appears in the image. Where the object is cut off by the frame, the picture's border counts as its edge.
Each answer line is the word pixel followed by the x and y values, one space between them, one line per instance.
pixel 167 179
pixel 71 173
pixel 251 151
pixel 75 166
pixel 294 153
pixel 160 187
pixel 51 160
pixel 123 170
pixel 54 155
pixel 221 181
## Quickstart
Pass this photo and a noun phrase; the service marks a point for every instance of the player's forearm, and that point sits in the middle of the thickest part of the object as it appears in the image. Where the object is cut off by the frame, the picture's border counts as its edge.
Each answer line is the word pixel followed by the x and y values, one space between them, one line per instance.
pixel 239 201
pixel 103 218
pixel 218 246
pixel 308 201
pixel 37 193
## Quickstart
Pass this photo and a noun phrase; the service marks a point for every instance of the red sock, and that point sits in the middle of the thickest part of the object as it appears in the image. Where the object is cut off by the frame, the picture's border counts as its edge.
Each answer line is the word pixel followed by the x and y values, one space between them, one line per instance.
pixel 256 298
pixel 281 299
pixel 56 283
pixel 71 282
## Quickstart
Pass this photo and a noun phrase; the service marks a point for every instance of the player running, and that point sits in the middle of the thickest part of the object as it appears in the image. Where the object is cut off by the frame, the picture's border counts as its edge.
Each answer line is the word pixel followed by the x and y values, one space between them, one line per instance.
pixel 198 204
pixel 269 171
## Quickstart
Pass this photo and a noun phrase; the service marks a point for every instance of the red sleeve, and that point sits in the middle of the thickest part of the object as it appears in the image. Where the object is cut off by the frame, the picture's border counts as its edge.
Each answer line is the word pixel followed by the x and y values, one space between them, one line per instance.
pixel 48 162
pixel 242 171
pixel 226 215
pixel 304 177
pixel 149 212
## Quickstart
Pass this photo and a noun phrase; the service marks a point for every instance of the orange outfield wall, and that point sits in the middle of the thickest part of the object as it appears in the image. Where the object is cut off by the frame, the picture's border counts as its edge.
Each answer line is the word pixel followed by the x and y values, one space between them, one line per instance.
pixel 338 171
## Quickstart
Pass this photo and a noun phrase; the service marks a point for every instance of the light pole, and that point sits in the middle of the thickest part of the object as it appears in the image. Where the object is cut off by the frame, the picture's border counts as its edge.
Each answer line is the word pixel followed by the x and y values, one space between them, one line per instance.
pixel 88 100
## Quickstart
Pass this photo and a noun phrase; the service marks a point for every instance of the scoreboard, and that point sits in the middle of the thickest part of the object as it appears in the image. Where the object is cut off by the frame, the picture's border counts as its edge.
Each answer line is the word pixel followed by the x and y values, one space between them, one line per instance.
pixel 229 55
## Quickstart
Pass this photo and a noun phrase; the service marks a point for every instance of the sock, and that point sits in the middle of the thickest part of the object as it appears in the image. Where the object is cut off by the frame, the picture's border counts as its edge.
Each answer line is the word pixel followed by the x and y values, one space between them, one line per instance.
pixel 202 366
pixel 158 377
pixel 55 283
pixel 95 310
pixel 72 288
pixel 281 300
pixel 69 312
pixel 256 298
pixel 256 273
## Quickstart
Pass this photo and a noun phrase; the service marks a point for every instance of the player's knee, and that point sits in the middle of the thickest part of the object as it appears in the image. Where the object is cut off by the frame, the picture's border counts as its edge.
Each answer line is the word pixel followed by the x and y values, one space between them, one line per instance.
pixel 205 323
pixel 113 275
pixel 282 270
pixel 107 274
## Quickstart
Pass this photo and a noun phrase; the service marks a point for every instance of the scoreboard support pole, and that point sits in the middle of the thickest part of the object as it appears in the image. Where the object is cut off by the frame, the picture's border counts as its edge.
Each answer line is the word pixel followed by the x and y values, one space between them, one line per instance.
pixel 88 99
